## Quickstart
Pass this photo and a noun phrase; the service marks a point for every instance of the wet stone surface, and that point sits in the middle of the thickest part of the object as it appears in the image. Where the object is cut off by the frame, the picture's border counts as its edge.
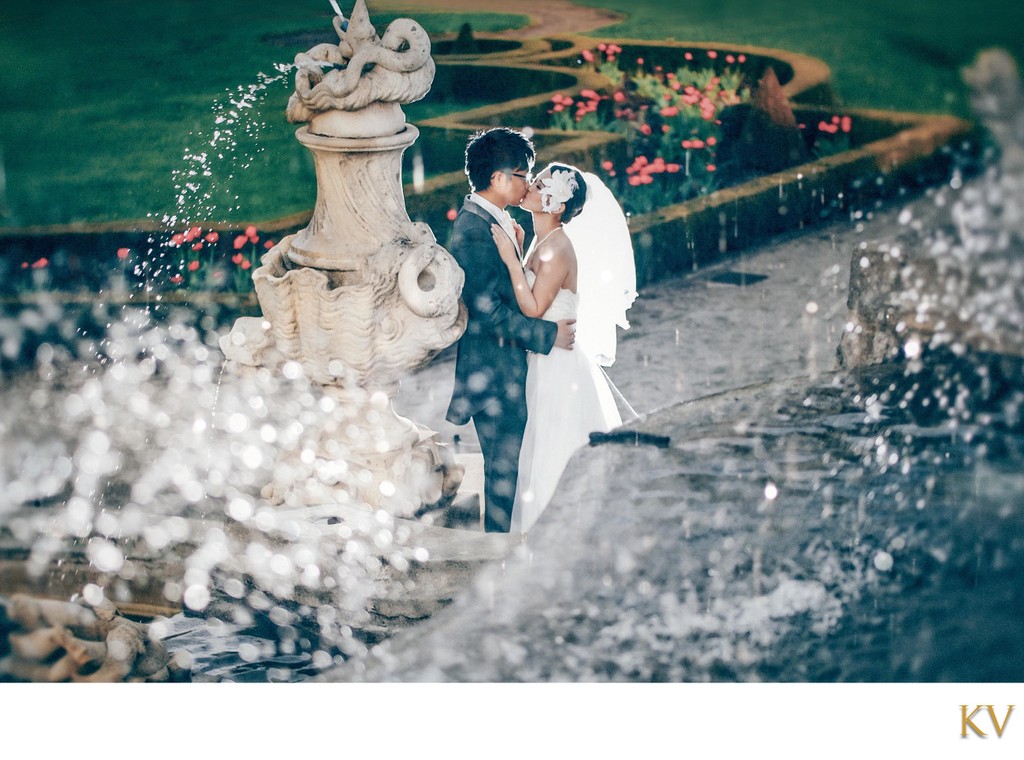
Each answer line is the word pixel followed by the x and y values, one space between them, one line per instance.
pixel 826 530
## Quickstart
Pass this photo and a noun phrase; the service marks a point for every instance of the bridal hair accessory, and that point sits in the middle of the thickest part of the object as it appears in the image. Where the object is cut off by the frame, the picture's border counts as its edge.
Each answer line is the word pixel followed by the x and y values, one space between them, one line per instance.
pixel 556 190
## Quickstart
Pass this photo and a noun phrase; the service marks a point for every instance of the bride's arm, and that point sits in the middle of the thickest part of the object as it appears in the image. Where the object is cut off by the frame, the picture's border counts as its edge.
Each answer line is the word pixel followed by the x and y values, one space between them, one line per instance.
pixel 550 275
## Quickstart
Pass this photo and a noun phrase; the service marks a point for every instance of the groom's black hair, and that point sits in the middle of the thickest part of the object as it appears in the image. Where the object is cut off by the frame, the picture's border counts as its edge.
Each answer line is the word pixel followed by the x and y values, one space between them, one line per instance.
pixel 496 149
pixel 574 205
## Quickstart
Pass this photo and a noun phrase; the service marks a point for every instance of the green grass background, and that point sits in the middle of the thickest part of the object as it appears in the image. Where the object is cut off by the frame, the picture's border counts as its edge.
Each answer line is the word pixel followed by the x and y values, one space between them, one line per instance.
pixel 100 99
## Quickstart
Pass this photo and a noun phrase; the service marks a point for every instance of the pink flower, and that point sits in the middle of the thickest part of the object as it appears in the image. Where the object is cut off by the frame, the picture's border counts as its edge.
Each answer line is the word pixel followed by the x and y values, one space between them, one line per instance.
pixel 237 258
pixel 846 124
pixel 558 107
pixel 687 144
pixel 40 263
pixel 240 241
pixel 24 265
pixel 711 167
pixel 712 54
pixel 250 231
pixel 192 233
pixel 639 61
pixel 246 264
pixel 712 141
pixel 178 239
pixel 602 47
pixel 193 266
pixel 645 129
pixel 741 58
pixel 619 96
pixel 451 214
pixel 730 58
pixel 212 237
pixel 669 111
pixel 588 56
pixel 672 168
pixel 688 56
pixel 269 244
pixel 635 180
pixel 177 279
pixel 607 165
pixel 590 94
pixel 665 129
pixel 197 246
pixel 698 144
pixel 122 253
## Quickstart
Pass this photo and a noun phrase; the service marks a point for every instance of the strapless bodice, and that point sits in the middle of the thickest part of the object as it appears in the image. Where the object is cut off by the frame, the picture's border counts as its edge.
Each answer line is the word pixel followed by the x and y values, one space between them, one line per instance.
pixel 563 307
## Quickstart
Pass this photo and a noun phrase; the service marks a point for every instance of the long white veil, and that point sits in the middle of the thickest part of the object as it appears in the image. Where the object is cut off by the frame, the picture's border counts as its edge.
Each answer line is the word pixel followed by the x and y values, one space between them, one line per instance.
pixel 606 271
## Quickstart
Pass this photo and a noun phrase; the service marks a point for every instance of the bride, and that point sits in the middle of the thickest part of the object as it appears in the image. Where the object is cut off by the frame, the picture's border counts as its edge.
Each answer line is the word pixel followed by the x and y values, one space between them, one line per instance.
pixel 580 265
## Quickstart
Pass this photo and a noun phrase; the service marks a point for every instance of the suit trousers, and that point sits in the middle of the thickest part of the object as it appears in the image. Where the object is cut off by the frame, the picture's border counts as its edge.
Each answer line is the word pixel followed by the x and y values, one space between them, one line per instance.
pixel 500 428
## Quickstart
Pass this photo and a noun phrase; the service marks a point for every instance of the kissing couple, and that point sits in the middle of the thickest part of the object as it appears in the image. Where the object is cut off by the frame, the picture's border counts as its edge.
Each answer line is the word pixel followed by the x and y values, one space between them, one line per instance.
pixel 528 368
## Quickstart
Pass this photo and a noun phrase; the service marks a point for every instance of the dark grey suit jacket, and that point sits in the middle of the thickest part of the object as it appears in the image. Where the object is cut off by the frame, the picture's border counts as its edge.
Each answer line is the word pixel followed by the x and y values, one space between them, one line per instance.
pixel 490 367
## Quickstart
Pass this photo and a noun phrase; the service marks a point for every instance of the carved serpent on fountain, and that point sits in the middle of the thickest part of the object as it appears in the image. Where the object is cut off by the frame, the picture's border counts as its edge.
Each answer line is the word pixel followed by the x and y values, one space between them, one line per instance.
pixel 363 70
pixel 51 640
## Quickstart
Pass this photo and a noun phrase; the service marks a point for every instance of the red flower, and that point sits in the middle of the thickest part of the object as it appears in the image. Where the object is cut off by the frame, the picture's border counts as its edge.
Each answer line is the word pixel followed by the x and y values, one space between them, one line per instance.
pixel 122 253
pixel 672 168
pixel 635 180
pixel 639 61
pixel 712 54
pixel 269 244
pixel 40 263
pixel 710 167
pixel 645 129
pixel 192 233
pixel 669 111
pixel 193 266
pixel 687 144
pixel 24 265
pixel 240 241
pixel 730 58
pixel 177 279
pixel 452 213
pixel 712 141
pixel 846 124
pixel 238 258
pixel 588 55
pixel 590 94
pixel 619 96
pixel 250 231
pixel 602 47
pixel 741 58
pixel 688 56
pixel 246 264
pixel 178 239
pixel 558 107
pixel 212 237
pixel 197 246
pixel 607 165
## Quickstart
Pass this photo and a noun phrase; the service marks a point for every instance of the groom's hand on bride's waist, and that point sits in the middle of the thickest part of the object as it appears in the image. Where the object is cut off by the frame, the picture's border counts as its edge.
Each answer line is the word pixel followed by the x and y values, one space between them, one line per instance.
pixel 566 334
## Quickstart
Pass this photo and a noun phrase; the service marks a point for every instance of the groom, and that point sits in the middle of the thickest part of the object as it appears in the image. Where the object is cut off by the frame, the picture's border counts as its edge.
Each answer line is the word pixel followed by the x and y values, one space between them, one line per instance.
pixel 490 368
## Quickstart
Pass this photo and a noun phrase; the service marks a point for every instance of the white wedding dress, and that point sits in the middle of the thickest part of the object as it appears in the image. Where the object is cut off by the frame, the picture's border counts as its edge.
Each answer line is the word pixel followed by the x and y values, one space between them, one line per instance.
pixel 567 398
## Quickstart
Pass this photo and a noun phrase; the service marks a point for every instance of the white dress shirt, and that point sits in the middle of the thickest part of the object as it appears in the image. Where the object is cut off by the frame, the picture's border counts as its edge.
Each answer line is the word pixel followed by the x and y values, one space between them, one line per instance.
pixel 501 216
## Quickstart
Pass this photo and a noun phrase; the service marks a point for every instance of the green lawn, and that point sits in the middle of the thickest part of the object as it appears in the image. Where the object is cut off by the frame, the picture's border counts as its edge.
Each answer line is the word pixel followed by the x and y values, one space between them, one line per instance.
pixel 891 54
pixel 100 100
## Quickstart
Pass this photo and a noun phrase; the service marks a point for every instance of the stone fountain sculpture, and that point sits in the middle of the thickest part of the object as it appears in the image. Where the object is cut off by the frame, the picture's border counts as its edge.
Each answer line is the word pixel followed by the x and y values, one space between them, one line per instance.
pixel 362 296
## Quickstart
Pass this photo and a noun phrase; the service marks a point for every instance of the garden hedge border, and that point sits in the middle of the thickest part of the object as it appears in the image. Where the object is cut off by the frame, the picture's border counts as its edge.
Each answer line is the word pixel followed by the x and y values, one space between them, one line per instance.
pixel 683 236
